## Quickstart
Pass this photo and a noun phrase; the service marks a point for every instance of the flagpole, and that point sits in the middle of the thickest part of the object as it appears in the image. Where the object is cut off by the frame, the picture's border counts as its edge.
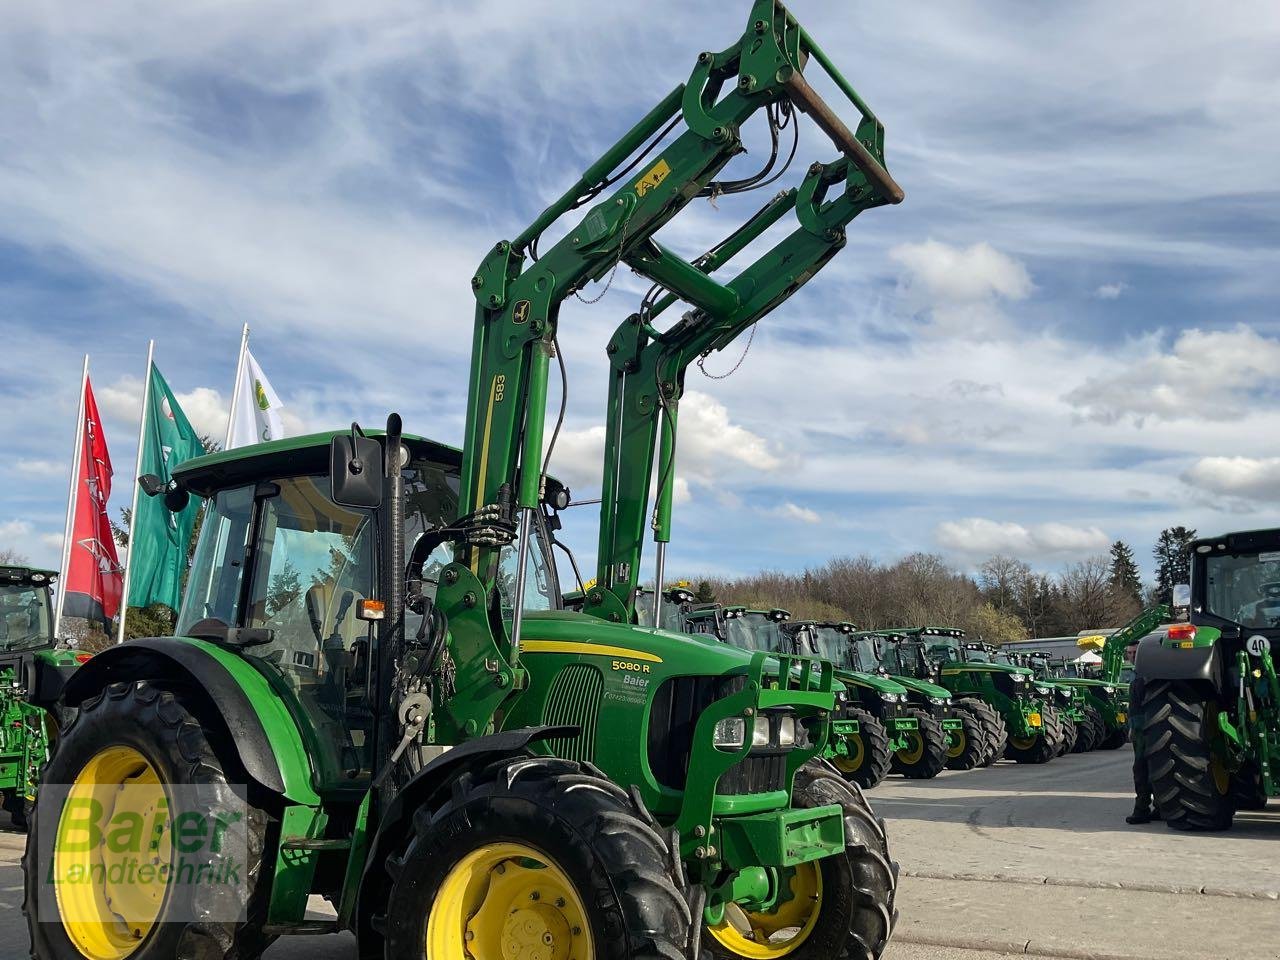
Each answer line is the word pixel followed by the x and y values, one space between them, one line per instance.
pixel 235 391
pixel 76 449
pixel 133 509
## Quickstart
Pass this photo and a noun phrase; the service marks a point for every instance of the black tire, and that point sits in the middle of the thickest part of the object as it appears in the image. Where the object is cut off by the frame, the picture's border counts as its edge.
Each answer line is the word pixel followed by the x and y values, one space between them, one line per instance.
pixel 19 809
pixel 1070 733
pixel 618 863
pixel 926 754
pixel 1041 748
pixel 1248 792
pixel 972 742
pixel 870 765
pixel 999 738
pixel 858 889
pixel 991 728
pixel 156 724
pixel 1190 789
pixel 1115 738
pixel 1091 730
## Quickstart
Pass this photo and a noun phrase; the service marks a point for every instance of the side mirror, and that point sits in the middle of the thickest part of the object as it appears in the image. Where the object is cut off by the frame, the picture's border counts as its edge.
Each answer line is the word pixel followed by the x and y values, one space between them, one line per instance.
pixel 1182 595
pixel 175 497
pixel 355 470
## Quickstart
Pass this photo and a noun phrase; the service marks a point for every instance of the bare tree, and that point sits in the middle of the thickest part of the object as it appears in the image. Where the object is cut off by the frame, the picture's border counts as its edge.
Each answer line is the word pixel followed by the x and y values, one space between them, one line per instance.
pixel 1088 597
pixel 13 557
pixel 999 576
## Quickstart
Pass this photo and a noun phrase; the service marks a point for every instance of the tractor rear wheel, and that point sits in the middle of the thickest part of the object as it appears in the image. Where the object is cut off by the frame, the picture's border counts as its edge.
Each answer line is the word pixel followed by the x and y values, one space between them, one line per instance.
pixel 850 913
pixel 1039 747
pixel 1190 783
pixel 869 757
pixel 992 728
pixel 536 857
pixel 925 754
pixel 131 749
pixel 1070 733
pixel 999 738
pixel 970 744
pixel 1114 739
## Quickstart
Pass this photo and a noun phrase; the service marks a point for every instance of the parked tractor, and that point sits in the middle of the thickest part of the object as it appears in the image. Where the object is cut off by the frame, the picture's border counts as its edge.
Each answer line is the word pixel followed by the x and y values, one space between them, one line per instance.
pixel 373 640
pixel 1030 731
pixel 1211 704
pixel 1082 724
pixel 32 674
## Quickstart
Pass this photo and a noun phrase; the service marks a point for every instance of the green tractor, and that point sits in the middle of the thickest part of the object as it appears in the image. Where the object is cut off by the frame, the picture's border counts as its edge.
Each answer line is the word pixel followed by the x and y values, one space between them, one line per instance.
pixel 1210 700
pixel 1081 723
pixel 1028 729
pixel 904 731
pixel 376 695
pixel 977 742
pixel 32 674
pixel 960 727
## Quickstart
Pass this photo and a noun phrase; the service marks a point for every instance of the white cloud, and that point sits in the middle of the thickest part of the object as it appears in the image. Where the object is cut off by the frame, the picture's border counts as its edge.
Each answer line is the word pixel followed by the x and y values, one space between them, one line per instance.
pixel 1208 375
pixel 961 287
pixel 35 467
pixel 980 536
pixel 792 511
pixel 1246 478
pixel 14 534
pixel 1110 291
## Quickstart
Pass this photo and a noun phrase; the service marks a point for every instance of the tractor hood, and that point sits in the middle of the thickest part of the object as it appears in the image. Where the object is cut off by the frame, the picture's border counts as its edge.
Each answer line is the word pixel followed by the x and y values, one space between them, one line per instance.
pixel 871 681
pixel 922 687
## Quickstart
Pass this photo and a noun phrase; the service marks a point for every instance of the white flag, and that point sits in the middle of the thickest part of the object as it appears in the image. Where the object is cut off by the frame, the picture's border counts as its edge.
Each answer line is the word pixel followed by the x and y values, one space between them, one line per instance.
pixel 255 417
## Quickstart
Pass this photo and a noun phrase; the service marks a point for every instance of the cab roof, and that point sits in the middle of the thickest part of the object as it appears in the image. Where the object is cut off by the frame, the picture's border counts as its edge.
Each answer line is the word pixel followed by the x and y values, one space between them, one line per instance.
pixel 295 456
pixel 18 573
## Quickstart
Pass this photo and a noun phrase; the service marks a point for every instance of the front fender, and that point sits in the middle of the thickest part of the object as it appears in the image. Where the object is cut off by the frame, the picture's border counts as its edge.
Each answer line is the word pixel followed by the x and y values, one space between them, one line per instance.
pixel 233 693
pixel 1155 661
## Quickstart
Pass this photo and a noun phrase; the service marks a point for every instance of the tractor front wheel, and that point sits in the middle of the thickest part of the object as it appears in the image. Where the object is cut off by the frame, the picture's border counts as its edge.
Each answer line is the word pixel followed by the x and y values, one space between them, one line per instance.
pixel 1039 747
pixel 1092 730
pixel 969 745
pixel 134 752
pixel 1115 738
pixel 1247 789
pixel 869 758
pixel 847 910
pixel 536 857
pixel 1190 782
pixel 1070 734
pixel 925 754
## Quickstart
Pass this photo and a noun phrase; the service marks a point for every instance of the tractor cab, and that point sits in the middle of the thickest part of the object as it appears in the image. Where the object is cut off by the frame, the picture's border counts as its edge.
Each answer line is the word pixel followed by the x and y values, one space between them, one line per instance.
pixel 677 603
pixel 26 608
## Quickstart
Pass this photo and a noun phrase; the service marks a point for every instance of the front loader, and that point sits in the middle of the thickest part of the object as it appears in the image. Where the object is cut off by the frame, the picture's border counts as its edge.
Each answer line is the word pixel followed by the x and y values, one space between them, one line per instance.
pixel 1211 704
pixel 376 692
pixel 32 673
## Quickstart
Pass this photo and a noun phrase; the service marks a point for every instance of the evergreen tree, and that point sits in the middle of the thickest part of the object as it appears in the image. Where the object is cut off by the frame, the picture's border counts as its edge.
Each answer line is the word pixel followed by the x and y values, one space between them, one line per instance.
pixel 1173 563
pixel 1125 579
pixel 705 593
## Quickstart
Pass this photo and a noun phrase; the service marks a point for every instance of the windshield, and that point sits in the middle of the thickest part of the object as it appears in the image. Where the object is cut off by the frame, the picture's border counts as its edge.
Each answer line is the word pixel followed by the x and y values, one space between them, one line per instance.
pixel 866 655
pixel 903 658
pixel 1244 588
pixel 977 656
pixel 24 616
pixel 946 649
pixel 834 645
pixel 754 631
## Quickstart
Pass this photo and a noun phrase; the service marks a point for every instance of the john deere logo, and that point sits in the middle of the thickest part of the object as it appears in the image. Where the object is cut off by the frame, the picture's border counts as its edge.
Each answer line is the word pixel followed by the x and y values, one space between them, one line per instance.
pixel 260 395
pixel 521 312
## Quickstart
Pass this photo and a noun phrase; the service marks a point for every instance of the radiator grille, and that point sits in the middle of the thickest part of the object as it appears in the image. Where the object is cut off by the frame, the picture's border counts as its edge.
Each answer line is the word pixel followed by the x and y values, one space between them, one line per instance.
pixel 575 701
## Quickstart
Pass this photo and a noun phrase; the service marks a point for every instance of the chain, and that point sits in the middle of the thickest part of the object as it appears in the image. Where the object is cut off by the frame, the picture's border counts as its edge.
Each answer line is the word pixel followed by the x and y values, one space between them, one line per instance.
pixel 724 376
pixel 612 273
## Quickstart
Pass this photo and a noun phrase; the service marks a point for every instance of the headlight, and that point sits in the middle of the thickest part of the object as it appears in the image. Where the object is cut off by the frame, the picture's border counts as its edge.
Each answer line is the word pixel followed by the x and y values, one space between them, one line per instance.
pixel 37 578
pixel 730 734
pixel 1018 678
pixel 940 701
pixel 1108 689
pixel 787 732
pixel 760 732
pixel 1043 691
pixel 842 696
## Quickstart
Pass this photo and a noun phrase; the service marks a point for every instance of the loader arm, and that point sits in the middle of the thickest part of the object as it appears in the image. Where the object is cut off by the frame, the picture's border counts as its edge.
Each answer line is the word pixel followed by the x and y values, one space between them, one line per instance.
pixel 519 291
pixel 1133 631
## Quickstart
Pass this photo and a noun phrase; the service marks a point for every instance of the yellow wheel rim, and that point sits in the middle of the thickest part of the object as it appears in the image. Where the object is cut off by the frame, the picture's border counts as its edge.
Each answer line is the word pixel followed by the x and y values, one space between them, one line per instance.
pixel 508 901
pixel 765 936
pixel 852 761
pixel 959 744
pixel 1022 743
pixel 106 910
pixel 913 752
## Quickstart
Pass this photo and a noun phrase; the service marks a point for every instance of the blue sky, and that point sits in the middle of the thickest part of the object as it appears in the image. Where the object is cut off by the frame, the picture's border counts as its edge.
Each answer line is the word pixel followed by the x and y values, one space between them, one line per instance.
pixel 1067 334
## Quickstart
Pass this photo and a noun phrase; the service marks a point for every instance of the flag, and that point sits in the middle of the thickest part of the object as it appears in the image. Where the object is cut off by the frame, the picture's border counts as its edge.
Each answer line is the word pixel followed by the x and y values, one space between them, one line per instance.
pixel 92 584
pixel 158 538
pixel 255 417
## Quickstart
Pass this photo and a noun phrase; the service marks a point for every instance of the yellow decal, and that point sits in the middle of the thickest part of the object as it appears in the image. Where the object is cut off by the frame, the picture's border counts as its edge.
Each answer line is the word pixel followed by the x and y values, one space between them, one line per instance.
pixel 657 173
pixel 587 650
pixel 521 312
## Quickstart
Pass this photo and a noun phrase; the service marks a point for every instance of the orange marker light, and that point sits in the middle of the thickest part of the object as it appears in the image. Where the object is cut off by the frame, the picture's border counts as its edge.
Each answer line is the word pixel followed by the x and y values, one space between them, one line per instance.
pixel 371 610
pixel 1182 631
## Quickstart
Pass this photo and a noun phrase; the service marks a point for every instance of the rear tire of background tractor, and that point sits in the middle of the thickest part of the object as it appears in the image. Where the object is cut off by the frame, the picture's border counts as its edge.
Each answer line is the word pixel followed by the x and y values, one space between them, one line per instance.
pixel 925 755
pixel 1091 730
pixel 1114 739
pixel 973 740
pixel 999 739
pixel 1042 747
pixel 1070 733
pixel 855 912
pixel 869 758
pixel 1192 789
pixel 992 728
pixel 536 847
pixel 140 735
pixel 19 809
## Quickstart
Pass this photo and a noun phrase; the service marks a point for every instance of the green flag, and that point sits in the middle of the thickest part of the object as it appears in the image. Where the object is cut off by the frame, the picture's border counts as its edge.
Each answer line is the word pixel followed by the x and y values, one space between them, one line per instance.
pixel 158 538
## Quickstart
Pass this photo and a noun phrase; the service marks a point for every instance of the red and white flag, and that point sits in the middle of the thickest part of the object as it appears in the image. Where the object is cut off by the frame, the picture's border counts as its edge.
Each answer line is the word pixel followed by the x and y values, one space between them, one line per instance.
pixel 92 581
